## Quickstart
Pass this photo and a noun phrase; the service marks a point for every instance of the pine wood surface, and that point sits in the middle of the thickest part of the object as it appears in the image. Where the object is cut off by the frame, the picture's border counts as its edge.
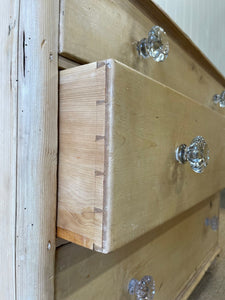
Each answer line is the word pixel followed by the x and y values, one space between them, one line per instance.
pixel 8 146
pixel 212 286
pixel 199 274
pixel 113 29
pixel 117 170
pixel 150 8
pixel 87 172
pixel 65 63
pixel 174 254
pixel 37 149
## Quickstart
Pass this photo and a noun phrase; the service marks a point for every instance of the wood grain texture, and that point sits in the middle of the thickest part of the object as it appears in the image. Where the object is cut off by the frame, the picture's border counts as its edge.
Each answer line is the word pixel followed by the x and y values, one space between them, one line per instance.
pixel 149 121
pixel 151 9
pixel 199 22
pixel 8 143
pixel 81 154
pixel 198 275
pixel 145 122
pixel 112 31
pixel 212 284
pixel 172 254
pixel 37 149
pixel 65 63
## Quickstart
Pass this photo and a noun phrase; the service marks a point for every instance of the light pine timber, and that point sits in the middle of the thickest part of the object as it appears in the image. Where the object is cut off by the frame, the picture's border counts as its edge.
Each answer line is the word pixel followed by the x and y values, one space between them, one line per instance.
pixel 87 165
pixel 176 254
pixel 8 142
pixel 118 177
pixel 212 285
pixel 65 63
pixel 113 29
pixel 200 272
pixel 37 149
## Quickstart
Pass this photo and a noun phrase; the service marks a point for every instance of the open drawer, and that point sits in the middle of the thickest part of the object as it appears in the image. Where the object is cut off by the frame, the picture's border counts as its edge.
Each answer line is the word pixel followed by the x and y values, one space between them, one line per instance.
pixel 118 176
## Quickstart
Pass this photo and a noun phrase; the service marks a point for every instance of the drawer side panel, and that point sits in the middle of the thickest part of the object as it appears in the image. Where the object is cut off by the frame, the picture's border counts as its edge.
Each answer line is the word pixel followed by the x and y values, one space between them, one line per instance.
pixel 81 154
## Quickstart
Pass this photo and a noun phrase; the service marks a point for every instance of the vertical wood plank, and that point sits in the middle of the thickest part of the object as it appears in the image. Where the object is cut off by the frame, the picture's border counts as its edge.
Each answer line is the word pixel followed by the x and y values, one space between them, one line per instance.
pixel 8 125
pixel 37 149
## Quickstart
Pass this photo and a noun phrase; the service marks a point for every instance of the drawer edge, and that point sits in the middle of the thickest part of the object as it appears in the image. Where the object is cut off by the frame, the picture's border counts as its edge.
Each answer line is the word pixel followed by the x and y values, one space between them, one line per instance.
pixel 196 277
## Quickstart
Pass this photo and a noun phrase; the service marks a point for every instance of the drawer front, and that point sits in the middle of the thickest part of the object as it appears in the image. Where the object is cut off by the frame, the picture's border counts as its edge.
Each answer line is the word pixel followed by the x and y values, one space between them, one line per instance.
pixel 173 255
pixel 118 176
pixel 98 30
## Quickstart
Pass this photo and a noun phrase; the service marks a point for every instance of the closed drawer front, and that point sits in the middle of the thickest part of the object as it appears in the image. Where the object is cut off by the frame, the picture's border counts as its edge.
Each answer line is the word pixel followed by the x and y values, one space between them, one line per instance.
pixel 99 29
pixel 174 256
pixel 118 176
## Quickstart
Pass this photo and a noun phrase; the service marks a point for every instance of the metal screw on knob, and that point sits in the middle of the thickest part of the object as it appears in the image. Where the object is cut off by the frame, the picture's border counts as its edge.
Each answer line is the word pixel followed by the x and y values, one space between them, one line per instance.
pixel 155 46
pixel 143 289
pixel 197 154
pixel 219 99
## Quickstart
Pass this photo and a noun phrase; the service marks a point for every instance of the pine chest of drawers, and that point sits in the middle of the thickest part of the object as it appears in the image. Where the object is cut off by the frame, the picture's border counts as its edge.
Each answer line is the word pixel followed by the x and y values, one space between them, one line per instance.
pixel 121 187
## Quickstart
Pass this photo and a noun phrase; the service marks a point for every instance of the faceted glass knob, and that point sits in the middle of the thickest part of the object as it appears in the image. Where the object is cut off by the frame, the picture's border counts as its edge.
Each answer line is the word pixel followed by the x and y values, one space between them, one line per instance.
pixel 143 48
pixel 143 289
pixel 213 223
pixel 197 154
pixel 156 45
pixel 219 99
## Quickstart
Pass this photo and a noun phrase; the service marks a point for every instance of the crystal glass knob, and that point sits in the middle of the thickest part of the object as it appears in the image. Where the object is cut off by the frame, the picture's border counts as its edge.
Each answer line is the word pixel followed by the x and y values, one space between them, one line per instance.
pixel 143 289
pixel 213 223
pixel 219 99
pixel 197 154
pixel 156 45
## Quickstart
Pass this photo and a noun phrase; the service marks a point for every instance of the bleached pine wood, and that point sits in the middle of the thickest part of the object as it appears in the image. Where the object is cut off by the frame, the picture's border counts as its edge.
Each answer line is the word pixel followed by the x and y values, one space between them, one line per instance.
pixel 175 255
pixel 117 170
pixel 37 149
pixel 8 123
pixel 112 31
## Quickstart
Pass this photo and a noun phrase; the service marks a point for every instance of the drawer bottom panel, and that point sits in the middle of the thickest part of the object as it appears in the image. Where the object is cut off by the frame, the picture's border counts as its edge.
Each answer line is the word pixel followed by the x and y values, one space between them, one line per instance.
pixel 175 254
